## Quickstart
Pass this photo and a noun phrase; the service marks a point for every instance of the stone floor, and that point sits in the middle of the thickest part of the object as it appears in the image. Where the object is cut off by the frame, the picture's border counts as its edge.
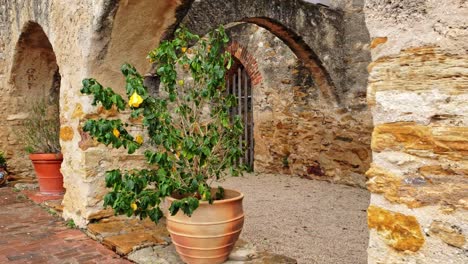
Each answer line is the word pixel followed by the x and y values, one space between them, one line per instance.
pixel 326 224
pixel 308 220
pixel 33 232
pixel 144 242
pixel 30 234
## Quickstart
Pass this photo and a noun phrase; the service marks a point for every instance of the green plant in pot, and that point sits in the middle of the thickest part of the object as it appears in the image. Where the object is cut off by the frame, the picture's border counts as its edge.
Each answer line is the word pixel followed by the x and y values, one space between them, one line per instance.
pixel 3 169
pixel 191 142
pixel 39 133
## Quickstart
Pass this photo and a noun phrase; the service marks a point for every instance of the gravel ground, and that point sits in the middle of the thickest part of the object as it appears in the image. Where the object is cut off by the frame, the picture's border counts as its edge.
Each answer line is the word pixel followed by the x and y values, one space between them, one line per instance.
pixel 311 221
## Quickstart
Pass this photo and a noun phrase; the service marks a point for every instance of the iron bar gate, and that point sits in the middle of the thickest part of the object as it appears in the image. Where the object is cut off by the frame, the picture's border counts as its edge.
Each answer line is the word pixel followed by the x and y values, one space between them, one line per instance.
pixel 240 85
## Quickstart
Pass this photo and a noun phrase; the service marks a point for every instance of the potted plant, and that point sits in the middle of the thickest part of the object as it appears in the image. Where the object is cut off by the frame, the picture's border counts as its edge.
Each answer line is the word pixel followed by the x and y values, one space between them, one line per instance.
pixel 191 142
pixel 3 169
pixel 40 135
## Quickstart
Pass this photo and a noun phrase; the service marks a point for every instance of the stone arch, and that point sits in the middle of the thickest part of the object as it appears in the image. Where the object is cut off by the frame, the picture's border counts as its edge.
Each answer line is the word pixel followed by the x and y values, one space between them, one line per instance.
pixel 34 76
pixel 318 46
pixel 126 32
pixel 293 123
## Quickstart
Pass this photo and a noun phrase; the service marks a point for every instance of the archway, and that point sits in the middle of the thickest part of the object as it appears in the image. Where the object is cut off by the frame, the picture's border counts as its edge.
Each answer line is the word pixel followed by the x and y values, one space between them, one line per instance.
pixel 35 81
pixel 318 45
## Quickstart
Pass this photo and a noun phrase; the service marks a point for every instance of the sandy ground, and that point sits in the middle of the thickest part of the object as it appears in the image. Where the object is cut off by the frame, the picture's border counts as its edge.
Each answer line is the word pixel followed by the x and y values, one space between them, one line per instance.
pixel 311 221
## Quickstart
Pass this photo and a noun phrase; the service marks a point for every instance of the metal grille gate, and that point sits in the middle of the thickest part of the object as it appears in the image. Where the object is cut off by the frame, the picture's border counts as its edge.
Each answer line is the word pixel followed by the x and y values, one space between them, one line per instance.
pixel 239 84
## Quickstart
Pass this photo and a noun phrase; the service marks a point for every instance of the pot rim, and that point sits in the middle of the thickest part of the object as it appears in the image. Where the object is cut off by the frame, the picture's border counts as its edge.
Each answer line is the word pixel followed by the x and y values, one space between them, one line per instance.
pixel 239 196
pixel 46 156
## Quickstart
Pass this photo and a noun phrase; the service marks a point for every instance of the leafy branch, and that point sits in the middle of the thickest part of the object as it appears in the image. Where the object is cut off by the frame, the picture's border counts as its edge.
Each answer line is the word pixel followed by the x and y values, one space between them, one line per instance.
pixel 192 137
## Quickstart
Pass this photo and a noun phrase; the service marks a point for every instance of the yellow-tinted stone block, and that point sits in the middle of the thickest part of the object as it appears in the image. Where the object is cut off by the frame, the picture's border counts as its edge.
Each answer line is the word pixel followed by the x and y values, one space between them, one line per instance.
pixel 450 142
pixel 78 112
pixel 418 190
pixel 401 135
pixel 449 233
pixel 66 133
pixel 377 41
pixel 402 232
pixel 421 68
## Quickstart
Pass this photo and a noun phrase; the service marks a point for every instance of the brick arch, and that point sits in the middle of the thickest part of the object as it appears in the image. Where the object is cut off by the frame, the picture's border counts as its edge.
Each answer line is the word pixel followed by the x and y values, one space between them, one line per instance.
pixel 241 53
pixel 319 46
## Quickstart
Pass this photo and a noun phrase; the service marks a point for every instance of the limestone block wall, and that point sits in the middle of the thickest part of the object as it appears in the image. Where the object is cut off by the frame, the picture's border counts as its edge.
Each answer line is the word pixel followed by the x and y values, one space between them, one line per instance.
pixel 296 129
pixel 418 94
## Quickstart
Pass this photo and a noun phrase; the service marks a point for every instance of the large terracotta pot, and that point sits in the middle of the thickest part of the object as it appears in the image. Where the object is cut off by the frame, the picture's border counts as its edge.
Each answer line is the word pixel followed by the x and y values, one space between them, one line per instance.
pixel 209 235
pixel 47 167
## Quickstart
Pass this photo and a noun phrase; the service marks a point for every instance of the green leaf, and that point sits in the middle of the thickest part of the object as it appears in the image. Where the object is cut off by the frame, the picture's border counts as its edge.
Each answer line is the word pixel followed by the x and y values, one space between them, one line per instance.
pixel 155 214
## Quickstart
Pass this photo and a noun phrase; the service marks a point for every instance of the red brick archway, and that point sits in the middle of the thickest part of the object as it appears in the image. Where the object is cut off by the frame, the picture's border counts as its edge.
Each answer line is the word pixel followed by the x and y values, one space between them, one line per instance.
pixel 241 53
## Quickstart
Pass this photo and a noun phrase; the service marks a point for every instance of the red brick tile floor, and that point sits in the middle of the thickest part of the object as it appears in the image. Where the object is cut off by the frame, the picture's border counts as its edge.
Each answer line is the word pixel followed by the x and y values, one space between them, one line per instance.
pixel 29 234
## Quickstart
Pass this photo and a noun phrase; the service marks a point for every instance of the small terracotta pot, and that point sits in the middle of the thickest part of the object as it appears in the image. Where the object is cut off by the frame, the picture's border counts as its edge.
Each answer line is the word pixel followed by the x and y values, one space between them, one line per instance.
pixel 47 167
pixel 209 235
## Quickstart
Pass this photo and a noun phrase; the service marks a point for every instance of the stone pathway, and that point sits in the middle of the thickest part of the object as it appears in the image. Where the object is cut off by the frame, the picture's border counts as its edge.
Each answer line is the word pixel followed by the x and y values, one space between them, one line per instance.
pixel 144 242
pixel 29 234
pixel 311 221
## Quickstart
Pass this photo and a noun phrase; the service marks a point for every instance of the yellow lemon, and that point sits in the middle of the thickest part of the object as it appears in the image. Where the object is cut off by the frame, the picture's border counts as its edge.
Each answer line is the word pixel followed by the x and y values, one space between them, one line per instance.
pixel 135 100
pixel 184 49
pixel 204 197
pixel 116 132
pixel 134 206
pixel 181 82
pixel 139 139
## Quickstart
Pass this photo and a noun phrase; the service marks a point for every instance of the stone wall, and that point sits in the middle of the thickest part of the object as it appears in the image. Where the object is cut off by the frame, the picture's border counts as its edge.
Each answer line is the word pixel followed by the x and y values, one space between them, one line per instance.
pixel 418 93
pixel 75 31
pixel 296 129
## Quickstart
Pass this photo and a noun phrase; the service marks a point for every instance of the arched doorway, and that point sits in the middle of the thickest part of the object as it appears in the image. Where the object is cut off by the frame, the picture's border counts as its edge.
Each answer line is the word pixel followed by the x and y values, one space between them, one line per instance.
pixel 35 83
pixel 239 84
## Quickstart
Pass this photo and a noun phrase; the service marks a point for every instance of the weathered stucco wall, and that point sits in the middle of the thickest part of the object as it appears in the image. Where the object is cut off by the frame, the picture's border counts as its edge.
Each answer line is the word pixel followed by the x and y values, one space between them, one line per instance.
pixel 67 28
pixel 75 31
pixel 418 93
pixel 296 129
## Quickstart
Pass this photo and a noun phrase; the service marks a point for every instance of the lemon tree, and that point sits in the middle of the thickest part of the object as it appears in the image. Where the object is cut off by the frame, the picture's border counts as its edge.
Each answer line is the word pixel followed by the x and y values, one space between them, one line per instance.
pixel 192 138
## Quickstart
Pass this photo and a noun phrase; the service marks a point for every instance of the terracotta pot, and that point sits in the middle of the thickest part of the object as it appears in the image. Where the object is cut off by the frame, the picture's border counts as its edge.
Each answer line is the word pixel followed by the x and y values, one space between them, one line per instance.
pixel 47 167
pixel 209 235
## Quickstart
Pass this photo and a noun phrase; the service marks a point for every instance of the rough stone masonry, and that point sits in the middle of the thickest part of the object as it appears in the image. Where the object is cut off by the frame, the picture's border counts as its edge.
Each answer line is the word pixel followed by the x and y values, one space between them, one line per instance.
pixel 418 92
pixel 415 52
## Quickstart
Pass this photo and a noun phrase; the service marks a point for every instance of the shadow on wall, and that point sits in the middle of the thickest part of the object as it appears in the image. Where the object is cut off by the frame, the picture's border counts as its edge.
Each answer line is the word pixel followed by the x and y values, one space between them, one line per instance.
pixel 34 75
